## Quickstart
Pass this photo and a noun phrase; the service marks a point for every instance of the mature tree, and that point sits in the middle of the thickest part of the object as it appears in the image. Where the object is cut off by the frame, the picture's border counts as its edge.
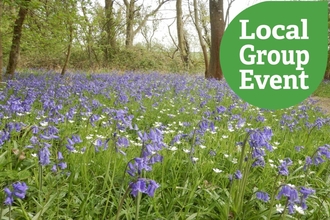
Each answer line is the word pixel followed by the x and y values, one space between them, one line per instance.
pixel 1 52
pixel 110 28
pixel 131 14
pixel 182 43
pixel 217 30
pixel 197 23
pixel 71 13
pixel 17 34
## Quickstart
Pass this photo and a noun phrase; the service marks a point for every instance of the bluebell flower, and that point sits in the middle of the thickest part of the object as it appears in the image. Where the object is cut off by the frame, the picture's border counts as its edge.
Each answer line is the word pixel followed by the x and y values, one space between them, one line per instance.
pixel 35 129
pixel 155 159
pixel 306 192
pixel 143 136
pixel 262 196
pixel 324 150
pixel 9 197
pixel 54 168
pixel 122 142
pixel 283 167
pixel 138 186
pixel 299 148
pixel 142 185
pixel 34 140
pixel 292 196
pixel 238 174
pixel 138 166
pixel 260 118
pixel 62 165
pixel 212 153
pixel 19 191
pixel 259 162
pixel 60 156
pixel 44 155
pixel 152 186
pixel 48 137
pixel 221 109
pixel 76 139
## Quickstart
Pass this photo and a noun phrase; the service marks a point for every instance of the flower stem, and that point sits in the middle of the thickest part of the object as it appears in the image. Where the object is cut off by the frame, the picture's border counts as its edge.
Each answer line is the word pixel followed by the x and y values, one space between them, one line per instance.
pixel 122 201
pixel 273 198
pixel 284 210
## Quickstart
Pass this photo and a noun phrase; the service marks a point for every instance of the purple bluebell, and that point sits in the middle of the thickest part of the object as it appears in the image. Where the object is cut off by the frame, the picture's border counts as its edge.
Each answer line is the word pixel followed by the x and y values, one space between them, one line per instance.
pixel 143 185
pixel 259 162
pixel 44 155
pixel 19 191
pixel 325 151
pixel 221 109
pixel 34 140
pixel 299 148
pixel 260 118
pixel 122 142
pixel 60 156
pixel 262 196
pixel 54 168
pixel 283 167
pixel 138 186
pixel 35 129
pixel 62 165
pixel 9 197
pixel 143 136
pixel 238 174
pixel 76 139
pixel 212 153
pixel 152 186
pixel 155 159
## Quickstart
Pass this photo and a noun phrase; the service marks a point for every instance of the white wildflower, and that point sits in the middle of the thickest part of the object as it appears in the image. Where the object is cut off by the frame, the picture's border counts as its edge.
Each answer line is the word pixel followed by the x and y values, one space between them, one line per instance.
pixel 279 208
pixel 217 170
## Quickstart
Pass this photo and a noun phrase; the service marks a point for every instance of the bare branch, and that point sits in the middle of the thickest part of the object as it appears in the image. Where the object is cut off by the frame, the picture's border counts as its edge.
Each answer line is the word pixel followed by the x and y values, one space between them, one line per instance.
pixel 145 19
pixel 230 2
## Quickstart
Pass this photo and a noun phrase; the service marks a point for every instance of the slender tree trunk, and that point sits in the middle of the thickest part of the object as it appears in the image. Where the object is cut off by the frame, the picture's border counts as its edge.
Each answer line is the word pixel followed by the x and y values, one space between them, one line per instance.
pixel 200 37
pixel 110 29
pixel 130 16
pixel 68 53
pixel 180 32
pixel 15 46
pixel 1 52
pixel 88 32
pixel 217 30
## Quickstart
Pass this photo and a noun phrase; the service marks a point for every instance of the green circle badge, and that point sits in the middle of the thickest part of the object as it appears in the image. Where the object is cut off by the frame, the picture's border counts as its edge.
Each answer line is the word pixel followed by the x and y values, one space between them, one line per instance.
pixel 274 54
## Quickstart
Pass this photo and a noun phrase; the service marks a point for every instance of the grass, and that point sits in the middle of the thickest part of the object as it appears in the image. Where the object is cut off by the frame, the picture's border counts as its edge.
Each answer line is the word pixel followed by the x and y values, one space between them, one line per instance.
pixel 192 136
pixel 323 90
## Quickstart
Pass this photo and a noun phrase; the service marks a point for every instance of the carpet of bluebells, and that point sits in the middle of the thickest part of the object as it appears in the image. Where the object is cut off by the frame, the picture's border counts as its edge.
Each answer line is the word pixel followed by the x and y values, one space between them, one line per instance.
pixel 156 146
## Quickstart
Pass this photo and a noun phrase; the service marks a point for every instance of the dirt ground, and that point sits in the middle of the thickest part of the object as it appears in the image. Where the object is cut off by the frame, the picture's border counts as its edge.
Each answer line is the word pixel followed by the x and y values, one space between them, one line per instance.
pixel 323 103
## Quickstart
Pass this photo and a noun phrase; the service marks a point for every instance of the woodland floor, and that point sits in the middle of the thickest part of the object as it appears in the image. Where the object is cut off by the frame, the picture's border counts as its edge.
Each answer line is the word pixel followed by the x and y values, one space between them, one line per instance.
pixel 323 103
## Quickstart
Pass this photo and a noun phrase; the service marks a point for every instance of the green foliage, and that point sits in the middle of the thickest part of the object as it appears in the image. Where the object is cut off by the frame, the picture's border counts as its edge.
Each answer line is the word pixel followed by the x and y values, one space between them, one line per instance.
pixel 94 183
pixel 323 90
pixel 46 37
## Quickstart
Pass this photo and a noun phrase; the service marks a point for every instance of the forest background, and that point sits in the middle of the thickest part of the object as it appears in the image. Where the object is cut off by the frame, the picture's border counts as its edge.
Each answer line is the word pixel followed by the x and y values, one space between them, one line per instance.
pixel 121 35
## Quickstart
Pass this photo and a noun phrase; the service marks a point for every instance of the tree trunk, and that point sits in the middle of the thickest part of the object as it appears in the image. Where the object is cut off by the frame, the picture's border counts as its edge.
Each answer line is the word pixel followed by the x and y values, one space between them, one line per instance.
pixel 110 28
pixel 130 16
pixel 200 37
pixel 15 46
pixel 1 52
pixel 88 31
pixel 217 30
pixel 180 32
pixel 68 54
